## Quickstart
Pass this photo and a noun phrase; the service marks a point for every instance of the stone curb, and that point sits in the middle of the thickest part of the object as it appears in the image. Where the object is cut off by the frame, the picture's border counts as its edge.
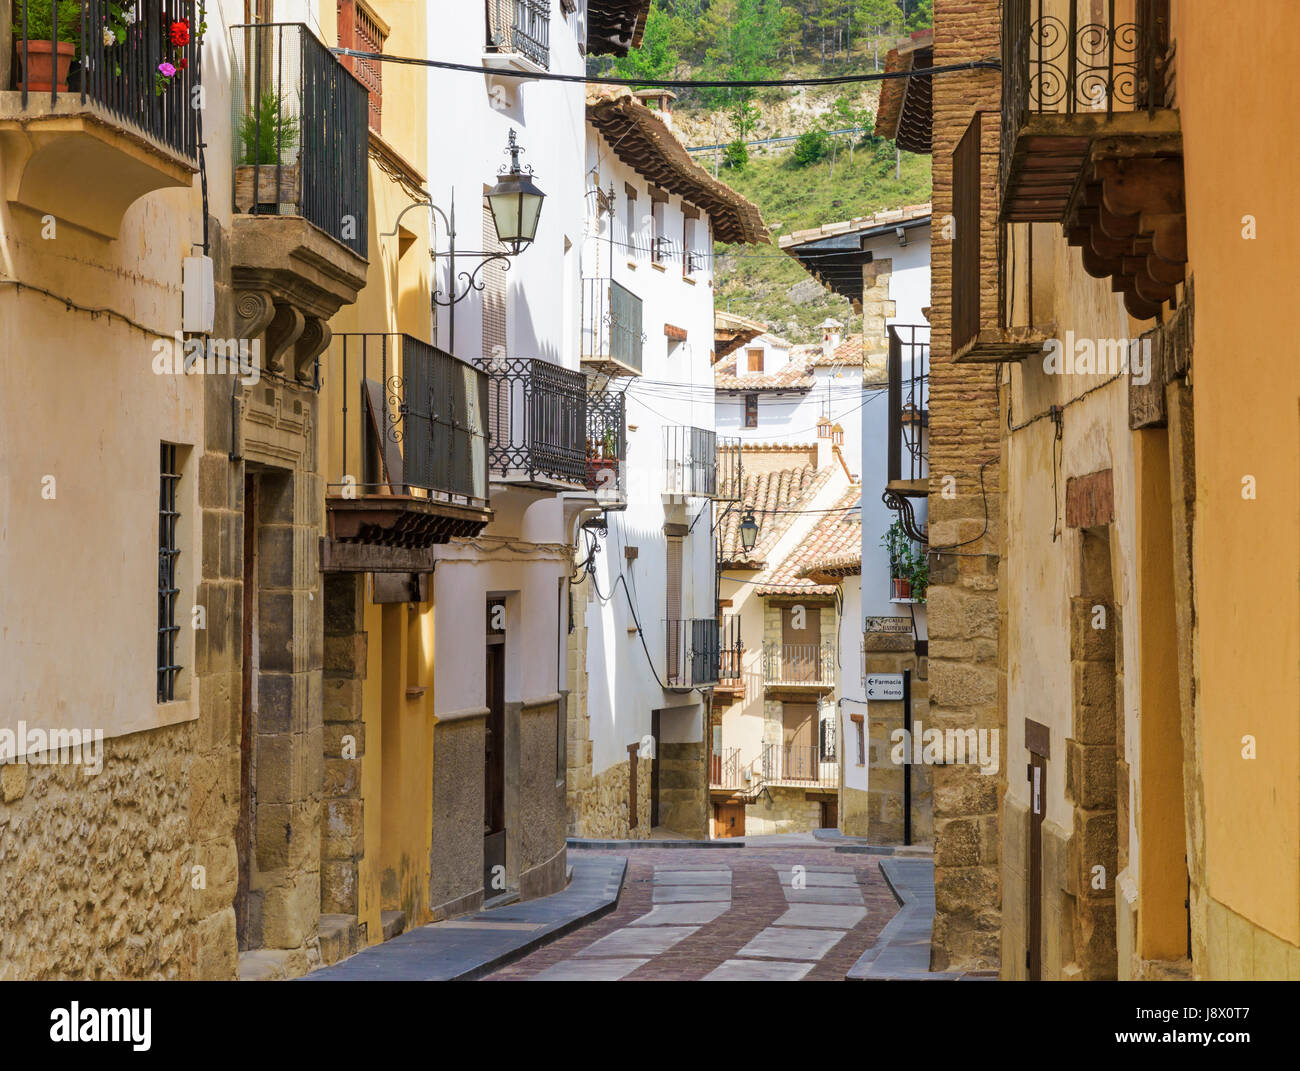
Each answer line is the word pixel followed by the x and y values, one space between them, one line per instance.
pixel 620 845
pixel 902 951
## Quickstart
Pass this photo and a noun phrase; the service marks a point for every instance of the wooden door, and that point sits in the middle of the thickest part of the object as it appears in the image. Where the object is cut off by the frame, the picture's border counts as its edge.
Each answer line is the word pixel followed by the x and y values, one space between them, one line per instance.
pixel 728 820
pixel 799 740
pixel 1037 810
pixel 673 612
pixel 830 814
pixel 494 782
pixel 801 647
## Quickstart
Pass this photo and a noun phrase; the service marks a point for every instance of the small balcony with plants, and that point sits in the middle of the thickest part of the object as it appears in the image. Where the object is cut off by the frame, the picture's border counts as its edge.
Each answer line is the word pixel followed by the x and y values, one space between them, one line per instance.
pixel 109 84
pixel 909 569
pixel 301 141
pixel 406 425
pixel 607 447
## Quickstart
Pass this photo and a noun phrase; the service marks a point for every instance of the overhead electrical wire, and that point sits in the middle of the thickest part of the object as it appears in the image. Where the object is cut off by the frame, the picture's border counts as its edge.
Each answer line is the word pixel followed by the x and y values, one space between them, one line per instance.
pixel 671 83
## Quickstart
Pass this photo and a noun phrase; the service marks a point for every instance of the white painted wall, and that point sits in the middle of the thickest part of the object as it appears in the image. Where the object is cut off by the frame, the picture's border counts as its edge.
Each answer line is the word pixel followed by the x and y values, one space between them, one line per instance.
pixel 675 389
pixel 521 555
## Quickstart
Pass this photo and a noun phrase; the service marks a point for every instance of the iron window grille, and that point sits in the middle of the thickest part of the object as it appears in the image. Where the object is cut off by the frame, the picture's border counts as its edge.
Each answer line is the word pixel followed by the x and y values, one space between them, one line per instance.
pixel 122 78
pixel 522 27
pixel 168 630
pixel 732 650
pixel 412 419
pixel 908 391
pixel 537 419
pixel 301 128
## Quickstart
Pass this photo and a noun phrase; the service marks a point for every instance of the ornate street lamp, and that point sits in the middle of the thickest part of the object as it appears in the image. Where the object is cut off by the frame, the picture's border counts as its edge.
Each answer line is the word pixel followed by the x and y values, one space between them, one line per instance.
pixel 748 532
pixel 515 202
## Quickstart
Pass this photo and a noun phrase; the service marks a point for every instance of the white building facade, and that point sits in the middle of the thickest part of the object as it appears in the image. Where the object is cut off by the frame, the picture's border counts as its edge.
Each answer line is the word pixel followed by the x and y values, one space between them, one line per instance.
pixel 645 632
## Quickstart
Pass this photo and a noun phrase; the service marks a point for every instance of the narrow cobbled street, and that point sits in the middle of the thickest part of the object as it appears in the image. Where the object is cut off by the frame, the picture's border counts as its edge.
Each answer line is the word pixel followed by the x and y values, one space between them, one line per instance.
pixel 733 914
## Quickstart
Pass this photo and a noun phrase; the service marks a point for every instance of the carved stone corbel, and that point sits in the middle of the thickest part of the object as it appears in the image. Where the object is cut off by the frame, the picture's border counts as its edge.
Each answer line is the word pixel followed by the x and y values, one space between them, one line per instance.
pixel 283 331
pixel 315 337
pixel 255 309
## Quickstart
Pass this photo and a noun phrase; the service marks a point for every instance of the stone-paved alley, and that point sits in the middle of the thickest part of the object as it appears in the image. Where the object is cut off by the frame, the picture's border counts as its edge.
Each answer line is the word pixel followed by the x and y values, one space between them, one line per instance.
pixel 693 913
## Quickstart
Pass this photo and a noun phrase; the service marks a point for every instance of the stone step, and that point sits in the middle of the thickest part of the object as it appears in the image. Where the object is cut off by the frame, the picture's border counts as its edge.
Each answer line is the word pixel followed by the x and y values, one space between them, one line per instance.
pixel 340 937
pixel 394 922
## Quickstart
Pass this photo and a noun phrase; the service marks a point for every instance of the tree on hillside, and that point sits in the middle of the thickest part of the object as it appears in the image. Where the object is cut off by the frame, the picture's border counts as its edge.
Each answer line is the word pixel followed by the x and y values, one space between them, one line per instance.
pixel 657 58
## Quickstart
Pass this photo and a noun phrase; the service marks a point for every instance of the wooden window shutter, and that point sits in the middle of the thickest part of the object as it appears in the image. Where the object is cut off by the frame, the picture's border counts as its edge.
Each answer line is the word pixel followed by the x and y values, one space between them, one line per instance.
pixel 755 360
pixel 360 29
pixel 673 610
pixel 495 333
pixel 751 410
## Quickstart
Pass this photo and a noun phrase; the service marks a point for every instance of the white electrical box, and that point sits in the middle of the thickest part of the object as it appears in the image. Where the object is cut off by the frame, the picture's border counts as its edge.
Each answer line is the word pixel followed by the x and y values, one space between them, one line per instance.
pixel 198 296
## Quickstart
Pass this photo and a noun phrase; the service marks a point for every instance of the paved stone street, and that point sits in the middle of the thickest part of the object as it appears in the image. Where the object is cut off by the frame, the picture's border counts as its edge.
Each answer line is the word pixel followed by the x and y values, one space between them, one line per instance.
pixel 735 914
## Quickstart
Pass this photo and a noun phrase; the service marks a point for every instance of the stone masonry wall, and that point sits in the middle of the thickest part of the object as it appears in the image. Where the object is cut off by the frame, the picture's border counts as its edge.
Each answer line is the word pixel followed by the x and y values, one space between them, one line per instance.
pixel 96 871
pixel 962 610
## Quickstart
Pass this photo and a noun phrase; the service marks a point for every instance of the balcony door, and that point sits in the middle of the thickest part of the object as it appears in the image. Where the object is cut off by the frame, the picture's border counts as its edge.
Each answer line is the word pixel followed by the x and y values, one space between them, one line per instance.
pixel 801 647
pixel 494 779
pixel 799 741
pixel 673 610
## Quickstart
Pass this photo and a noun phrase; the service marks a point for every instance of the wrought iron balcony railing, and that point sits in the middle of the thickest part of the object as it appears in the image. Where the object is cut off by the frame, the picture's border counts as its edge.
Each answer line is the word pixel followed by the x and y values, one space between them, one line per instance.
pixel 725 769
pixel 698 462
pixel 117 55
pixel 606 441
pixel 301 131
pixel 522 27
pixel 612 337
pixel 411 419
pixel 1078 58
pixel 799 664
pixel 731 653
pixel 691 652
pixel 799 766
pixel 537 417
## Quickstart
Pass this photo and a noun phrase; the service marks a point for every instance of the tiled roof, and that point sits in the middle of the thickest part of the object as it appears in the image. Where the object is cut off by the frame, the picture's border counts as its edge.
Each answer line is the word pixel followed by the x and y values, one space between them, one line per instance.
pixel 776 491
pixel 904 110
pixel 641 139
pixel 793 375
pixel 615 26
pixel 831 548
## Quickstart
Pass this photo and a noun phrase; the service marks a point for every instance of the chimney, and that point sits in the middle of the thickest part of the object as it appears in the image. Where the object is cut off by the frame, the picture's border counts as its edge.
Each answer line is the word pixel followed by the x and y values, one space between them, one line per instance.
pixel 832 334
pixel 661 100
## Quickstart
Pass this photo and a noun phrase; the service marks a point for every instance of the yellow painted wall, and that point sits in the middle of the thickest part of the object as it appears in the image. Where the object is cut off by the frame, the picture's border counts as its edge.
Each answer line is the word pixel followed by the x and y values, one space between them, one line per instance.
pixel 397 769
pixel 1240 108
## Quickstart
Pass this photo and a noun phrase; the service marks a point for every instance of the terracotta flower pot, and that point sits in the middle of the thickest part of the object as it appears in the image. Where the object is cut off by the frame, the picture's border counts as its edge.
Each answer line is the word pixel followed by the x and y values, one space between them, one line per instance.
pixel 902 588
pixel 45 62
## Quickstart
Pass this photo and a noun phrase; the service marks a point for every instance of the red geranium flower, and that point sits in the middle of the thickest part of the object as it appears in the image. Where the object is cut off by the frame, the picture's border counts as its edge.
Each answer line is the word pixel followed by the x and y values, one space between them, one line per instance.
pixel 180 33
pixel 182 63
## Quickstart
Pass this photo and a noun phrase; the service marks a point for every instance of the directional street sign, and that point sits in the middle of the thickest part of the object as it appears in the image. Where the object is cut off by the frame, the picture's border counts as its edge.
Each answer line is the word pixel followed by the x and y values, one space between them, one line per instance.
pixel 885 686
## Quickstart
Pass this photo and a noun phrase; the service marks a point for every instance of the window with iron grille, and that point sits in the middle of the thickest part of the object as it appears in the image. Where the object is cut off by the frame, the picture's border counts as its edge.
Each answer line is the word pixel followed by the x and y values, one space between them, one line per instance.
pixel 168 630
pixel 751 410
pixel 360 29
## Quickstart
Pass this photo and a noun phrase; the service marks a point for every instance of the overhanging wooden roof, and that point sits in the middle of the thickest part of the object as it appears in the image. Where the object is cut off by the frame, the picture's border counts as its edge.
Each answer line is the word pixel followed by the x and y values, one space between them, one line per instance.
pixel 615 26
pixel 730 332
pixel 643 141
pixel 904 113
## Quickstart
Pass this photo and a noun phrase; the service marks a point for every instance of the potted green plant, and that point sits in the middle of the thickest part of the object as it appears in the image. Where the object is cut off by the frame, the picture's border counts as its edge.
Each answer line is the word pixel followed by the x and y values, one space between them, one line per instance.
pixel 268 136
pixel 905 563
pixel 47 54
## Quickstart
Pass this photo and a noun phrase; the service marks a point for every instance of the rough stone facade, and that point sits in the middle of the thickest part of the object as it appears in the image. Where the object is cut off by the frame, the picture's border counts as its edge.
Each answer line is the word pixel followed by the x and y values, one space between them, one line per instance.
pixel 684 789
pixel 962 603
pixel 784 810
pixel 98 871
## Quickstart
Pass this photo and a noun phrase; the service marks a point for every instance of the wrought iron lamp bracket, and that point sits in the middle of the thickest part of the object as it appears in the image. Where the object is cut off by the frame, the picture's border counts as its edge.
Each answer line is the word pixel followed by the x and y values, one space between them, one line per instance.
pixel 907 517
